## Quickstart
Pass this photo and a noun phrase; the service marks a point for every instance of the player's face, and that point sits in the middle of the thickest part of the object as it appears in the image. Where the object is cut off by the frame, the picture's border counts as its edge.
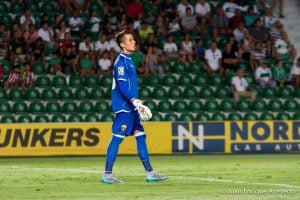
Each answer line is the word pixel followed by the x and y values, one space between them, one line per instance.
pixel 129 44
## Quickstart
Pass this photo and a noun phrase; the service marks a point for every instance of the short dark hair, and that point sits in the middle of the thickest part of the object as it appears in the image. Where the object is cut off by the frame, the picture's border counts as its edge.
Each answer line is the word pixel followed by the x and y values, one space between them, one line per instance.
pixel 119 36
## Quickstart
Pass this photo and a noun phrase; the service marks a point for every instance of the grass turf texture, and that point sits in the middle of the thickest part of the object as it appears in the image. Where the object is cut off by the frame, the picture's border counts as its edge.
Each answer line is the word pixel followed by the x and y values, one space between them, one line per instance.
pixel 190 177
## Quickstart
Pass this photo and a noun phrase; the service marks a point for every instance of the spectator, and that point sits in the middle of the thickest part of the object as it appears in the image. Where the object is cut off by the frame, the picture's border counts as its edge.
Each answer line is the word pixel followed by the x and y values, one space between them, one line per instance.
pixel 279 74
pixel 257 56
pixel 229 59
pixel 134 8
pixel 138 59
pixel 219 23
pixel 259 32
pixel 240 87
pixel 202 10
pixel 181 8
pixel 69 60
pixel 174 27
pixel 87 47
pixel 145 30
pixel 94 22
pixel 250 17
pixel 26 19
pixel 213 59
pixel 229 8
pixel 268 18
pixel 14 78
pixel 65 6
pixel 37 50
pixel 170 48
pixel 2 79
pixel 236 20
pixel 239 33
pixel 246 46
pixel 160 25
pixel 295 73
pixel 167 8
pixel 17 48
pixel 55 63
pixel 280 8
pixel 189 21
pixel 76 23
pixel 187 49
pixel 46 33
pixel 104 64
pixel 86 65
pixel 30 35
pixel 102 44
pixel 152 62
pixel 28 77
pixel 61 31
pixel 263 76
pixel 200 50
pixel 113 47
pixel 67 42
pixel 137 22
pixel 81 5
pixel 150 42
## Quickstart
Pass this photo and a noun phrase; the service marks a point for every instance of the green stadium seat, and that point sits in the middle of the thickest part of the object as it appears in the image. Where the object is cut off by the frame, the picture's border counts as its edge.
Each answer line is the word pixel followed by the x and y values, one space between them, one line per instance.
pixel 250 116
pixel 296 116
pixel 156 117
pixel 32 94
pixel 108 93
pixel 206 92
pixel 59 81
pixel 81 93
pixel 24 119
pixel 65 94
pixel 151 104
pixel 180 67
pixel 3 8
pixel 19 107
pixel 196 67
pixel 49 94
pixel 8 119
pixel 267 116
pixel 259 105
pixel 190 92
pixel 69 107
pixel 180 106
pixel 185 79
pixel 41 119
pixel 91 118
pixel 283 116
pixel 92 81
pixel 227 105
pixel 165 106
pixel 107 117
pixel 234 116
pixel 3 95
pixel 269 92
pixel 43 81
pixel 195 106
pixel 159 92
pixel 94 6
pixel 7 66
pixel 286 92
pixel 144 93
pixel 6 20
pixel 58 118
pixel 53 107
pixel 38 68
pixel 169 80
pixel 48 7
pixel 291 105
pixel 211 105
pixel 243 105
pixel 297 92
pixel 4 108
pixel 97 93
pixel 102 106
pixel 153 80
pixel 36 107
pixel 217 80
pixel 75 118
pixel 34 8
pixel 17 8
pixel 75 81
pixel 170 117
pixel 201 80
pixel 86 107
pixel 16 94
pixel 250 79
pixel 223 92
pixel 218 116
pixel 275 105
pixel 106 81
pixel 186 117
pixel 202 116
pixel 174 92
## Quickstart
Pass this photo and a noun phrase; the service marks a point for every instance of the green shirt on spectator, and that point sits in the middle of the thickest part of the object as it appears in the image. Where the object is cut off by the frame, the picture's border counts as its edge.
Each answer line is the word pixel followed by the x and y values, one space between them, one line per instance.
pixel 86 64
pixel 279 73
pixel 137 58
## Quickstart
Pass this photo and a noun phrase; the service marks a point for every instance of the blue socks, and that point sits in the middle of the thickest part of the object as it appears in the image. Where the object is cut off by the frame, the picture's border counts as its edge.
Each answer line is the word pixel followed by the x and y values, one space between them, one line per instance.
pixel 112 152
pixel 143 152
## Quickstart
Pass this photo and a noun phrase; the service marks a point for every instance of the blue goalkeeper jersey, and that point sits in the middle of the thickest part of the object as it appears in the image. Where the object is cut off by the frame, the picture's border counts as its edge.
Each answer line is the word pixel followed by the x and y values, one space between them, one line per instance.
pixel 124 70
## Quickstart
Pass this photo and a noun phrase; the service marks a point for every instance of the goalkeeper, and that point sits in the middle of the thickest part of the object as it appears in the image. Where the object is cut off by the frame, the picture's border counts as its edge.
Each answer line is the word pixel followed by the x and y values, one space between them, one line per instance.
pixel 129 111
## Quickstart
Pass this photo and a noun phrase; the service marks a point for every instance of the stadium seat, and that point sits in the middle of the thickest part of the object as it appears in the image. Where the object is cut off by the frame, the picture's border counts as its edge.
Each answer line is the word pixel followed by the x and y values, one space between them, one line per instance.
pixel 19 107
pixel 186 117
pixel 58 118
pixel 38 68
pixel 285 92
pixel 267 116
pixel 180 106
pixel 91 118
pixel 250 116
pixel 59 81
pixel 6 20
pixel 217 80
pixel 196 67
pixel 291 105
pixel 4 108
pixel 234 116
pixel 75 81
pixel 164 106
pixel 206 92
pixel 269 92
pixel 97 93
pixel 91 81
pixel 200 80
pixel 34 8
pixel 65 94
pixel 243 105
pixel 223 92
pixel 17 8
pixel 106 81
pixel 195 106
pixel 41 119
pixel 75 118
pixel 153 80
pixel 218 116
pixel 185 79
pixel 169 80
pixel 69 107
pixel 3 8
pixel 32 94
pixel 107 117
pixel 151 104
pixel 180 67
pixel 283 116
pixel 3 95
pixel 49 94
pixel 159 92
pixel 8 119
pixel 170 117
pixel 102 106
pixel 86 107
pixel 94 6
pixel 16 94
pixel 24 119
pixel 144 92
pixel 156 117
pixel 48 7
pixel 190 92
pixel 296 116
pixel 202 116
pixel 259 105
pixel 7 66
pixel 81 93
pixel 275 105
pixel 227 105
pixel 211 105
pixel 174 92
pixel 297 92
pixel 36 107
pixel 43 81
pixel 53 107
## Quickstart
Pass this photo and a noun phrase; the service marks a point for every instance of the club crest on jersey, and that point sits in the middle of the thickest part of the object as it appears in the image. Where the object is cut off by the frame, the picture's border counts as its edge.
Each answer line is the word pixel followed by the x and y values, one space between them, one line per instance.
pixel 121 70
pixel 123 127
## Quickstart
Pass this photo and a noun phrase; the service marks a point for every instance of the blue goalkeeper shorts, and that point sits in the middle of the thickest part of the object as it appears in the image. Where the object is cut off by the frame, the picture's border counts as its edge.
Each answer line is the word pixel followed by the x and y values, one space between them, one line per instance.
pixel 126 123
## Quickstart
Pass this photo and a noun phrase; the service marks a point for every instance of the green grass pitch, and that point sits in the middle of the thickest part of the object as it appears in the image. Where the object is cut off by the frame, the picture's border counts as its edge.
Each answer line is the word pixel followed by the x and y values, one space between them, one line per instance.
pixel 249 176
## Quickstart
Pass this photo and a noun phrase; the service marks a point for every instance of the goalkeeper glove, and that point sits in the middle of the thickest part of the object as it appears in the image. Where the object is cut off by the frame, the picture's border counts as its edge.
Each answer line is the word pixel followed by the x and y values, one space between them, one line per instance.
pixel 144 111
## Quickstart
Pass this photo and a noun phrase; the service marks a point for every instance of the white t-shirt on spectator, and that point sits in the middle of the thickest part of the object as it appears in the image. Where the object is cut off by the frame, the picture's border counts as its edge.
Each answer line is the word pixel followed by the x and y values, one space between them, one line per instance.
pixel 23 19
pixel 202 10
pixel 170 47
pixel 295 70
pixel 181 9
pixel 95 22
pixel 229 9
pixel 112 44
pixel 213 58
pixel 104 64
pixel 86 48
pixel 238 34
pixel 263 73
pixel 99 46
pixel 240 84
pixel 46 35
pixel 74 22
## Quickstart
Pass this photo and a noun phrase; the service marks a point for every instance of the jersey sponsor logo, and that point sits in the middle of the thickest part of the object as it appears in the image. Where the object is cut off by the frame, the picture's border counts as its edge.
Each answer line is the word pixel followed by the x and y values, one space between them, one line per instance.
pixel 123 127
pixel 121 71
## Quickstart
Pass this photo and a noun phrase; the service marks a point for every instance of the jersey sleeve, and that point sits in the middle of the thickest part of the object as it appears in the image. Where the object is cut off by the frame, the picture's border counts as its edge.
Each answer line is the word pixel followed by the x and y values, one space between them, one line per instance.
pixel 121 72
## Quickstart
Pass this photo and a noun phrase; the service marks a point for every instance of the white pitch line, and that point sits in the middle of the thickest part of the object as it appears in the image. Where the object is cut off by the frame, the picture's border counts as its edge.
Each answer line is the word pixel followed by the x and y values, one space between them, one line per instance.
pixel 176 177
